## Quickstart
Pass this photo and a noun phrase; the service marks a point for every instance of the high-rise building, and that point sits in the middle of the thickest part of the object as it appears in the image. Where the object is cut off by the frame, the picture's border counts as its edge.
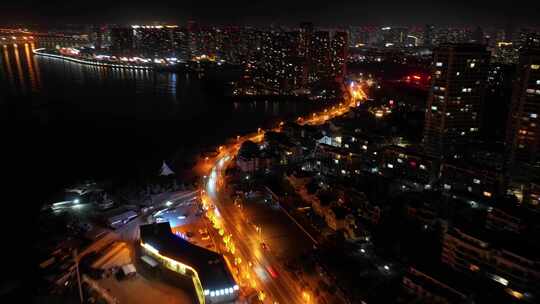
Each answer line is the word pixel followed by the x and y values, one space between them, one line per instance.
pixel 319 56
pixel 459 73
pixel 306 30
pixel 96 36
pixel 428 35
pixel 394 36
pixel 154 40
pixel 528 38
pixel 282 69
pixel 505 53
pixel 122 40
pixel 478 36
pixel 338 55
pixel 523 132
pixel 180 43
pixel 193 32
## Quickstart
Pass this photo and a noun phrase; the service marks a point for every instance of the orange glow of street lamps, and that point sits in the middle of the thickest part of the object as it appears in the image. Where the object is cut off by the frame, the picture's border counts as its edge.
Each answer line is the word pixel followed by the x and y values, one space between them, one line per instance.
pixel 306 296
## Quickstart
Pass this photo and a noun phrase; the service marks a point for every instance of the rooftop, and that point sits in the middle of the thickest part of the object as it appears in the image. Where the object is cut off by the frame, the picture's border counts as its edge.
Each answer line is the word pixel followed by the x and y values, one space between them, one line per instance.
pixel 210 266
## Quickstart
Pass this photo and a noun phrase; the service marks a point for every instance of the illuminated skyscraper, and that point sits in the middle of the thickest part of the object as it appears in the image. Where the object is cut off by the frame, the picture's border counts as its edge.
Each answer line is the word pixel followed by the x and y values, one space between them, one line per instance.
pixel 338 55
pixel 319 56
pixel 154 40
pixel 523 132
pixel 180 43
pixel 306 30
pixel 459 73
pixel 283 70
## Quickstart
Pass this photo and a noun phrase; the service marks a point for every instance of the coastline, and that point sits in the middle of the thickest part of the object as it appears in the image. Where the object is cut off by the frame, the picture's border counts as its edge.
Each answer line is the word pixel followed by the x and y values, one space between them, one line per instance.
pixel 40 52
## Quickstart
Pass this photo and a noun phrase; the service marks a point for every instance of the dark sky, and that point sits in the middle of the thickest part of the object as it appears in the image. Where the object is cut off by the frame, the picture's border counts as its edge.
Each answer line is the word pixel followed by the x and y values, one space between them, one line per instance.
pixel 260 12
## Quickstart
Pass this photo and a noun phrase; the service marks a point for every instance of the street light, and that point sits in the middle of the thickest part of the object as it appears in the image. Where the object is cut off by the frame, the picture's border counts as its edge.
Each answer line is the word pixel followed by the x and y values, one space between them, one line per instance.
pixel 259 230
pixel 306 296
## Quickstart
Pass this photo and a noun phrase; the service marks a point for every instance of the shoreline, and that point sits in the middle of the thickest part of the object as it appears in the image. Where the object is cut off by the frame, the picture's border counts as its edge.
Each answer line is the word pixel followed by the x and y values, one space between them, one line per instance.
pixel 40 52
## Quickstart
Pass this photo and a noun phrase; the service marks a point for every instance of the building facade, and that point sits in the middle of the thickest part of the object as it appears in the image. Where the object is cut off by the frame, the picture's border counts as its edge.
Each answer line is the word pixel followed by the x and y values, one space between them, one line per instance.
pixel 523 132
pixel 459 73
pixel 469 253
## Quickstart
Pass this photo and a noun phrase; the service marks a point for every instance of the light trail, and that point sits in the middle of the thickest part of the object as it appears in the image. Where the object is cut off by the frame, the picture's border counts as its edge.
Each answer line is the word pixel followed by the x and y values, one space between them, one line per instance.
pixel 242 245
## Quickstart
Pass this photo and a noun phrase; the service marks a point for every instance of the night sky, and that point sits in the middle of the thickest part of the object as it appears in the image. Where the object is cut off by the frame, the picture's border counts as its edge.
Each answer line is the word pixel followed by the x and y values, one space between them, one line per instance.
pixel 265 12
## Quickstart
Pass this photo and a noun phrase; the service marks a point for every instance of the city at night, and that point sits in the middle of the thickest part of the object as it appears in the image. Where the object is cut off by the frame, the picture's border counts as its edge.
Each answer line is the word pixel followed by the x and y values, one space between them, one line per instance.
pixel 270 152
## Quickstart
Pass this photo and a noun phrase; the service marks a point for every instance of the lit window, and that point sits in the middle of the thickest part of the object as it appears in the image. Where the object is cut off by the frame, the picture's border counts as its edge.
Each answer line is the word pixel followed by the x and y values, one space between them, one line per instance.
pixel 439 64
pixel 487 194
pixel 469 188
pixel 538 81
pixel 457 73
pixel 535 66
pixel 472 65
pixel 533 115
pixel 343 172
pixel 447 187
pixel 336 161
pixel 364 147
pixel 390 166
pixel 434 108
pixel 530 91
pixel 476 181
pixel 399 160
pixel 422 167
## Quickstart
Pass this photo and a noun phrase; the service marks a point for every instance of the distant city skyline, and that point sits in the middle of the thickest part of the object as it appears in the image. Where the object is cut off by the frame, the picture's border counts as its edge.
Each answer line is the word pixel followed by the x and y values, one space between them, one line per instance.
pixel 483 12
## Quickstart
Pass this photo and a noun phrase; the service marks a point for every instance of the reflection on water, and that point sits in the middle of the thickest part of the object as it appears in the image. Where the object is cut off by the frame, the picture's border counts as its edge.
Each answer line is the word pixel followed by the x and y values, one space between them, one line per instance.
pixel 130 116
pixel 17 65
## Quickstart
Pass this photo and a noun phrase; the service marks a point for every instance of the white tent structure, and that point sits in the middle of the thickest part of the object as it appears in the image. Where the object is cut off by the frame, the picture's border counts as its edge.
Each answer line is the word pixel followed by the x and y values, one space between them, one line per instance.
pixel 165 170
